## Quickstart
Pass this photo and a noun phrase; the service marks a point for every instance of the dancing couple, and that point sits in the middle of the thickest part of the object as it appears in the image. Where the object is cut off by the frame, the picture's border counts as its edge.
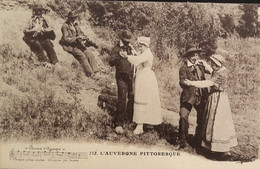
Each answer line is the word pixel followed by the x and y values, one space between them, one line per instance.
pixel 138 94
pixel 215 128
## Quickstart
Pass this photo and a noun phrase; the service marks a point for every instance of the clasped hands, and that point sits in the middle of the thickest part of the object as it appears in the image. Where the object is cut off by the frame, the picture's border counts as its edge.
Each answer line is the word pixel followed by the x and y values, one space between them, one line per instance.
pixel 187 82
pixel 81 39
pixel 123 54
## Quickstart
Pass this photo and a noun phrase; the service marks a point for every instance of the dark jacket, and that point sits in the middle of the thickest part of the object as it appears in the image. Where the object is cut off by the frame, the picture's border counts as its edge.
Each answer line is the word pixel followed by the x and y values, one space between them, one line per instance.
pixel 38 21
pixel 192 94
pixel 69 34
pixel 123 67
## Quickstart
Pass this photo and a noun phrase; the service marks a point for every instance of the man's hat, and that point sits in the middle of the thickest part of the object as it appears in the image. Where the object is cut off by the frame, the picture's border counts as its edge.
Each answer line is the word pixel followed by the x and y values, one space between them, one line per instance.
pixel 38 7
pixel 191 49
pixel 73 14
pixel 126 36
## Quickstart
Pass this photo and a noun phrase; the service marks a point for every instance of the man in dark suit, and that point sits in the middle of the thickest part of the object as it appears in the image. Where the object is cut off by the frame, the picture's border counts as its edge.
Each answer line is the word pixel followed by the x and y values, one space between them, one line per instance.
pixel 191 96
pixel 38 35
pixel 124 78
pixel 75 42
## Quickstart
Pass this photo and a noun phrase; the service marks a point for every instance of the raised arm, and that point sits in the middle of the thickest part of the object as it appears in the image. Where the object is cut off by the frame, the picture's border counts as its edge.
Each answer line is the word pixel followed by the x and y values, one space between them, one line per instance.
pixel 217 80
pixel 200 84
pixel 206 66
pixel 144 57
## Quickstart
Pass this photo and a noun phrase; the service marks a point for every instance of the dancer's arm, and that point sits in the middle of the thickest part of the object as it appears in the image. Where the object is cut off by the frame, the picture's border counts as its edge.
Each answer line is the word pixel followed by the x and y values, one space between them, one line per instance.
pixel 143 57
pixel 199 84
pixel 214 81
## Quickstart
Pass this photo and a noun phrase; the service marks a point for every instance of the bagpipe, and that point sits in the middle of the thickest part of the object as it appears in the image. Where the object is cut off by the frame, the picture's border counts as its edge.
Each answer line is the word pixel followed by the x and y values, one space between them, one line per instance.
pixel 41 34
pixel 84 42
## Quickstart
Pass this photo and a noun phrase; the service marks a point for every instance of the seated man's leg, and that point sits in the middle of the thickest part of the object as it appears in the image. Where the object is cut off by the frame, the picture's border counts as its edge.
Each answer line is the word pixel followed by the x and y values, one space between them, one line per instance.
pixel 48 47
pixel 27 41
pixel 92 60
pixel 83 60
pixel 37 48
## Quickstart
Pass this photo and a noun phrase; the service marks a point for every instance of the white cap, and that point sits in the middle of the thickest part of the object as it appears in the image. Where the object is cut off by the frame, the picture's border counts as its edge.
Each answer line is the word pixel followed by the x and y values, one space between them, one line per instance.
pixel 218 59
pixel 144 40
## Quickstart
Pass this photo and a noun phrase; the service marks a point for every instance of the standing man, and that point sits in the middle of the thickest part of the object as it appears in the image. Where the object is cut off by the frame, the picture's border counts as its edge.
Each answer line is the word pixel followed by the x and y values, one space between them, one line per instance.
pixel 76 43
pixel 124 78
pixel 38 35
pixel 191 96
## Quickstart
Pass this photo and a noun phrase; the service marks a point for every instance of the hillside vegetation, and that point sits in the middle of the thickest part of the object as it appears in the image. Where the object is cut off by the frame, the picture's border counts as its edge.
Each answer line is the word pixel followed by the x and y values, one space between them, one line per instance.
pixel 39 103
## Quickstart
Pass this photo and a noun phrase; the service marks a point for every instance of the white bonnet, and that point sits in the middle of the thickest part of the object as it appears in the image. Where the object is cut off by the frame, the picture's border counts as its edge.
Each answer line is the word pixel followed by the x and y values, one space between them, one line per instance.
pixel 144 40
pixel 218 59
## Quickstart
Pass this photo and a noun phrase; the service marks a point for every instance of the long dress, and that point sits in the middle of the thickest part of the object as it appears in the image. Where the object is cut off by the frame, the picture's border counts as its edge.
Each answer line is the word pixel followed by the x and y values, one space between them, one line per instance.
pixel 218 132
pixel 147 105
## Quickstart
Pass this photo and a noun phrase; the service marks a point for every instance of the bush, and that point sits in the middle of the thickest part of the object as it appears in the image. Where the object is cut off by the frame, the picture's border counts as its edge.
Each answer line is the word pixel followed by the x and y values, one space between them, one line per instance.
pixel 179 24
pixel 63 7
pixel 228 25
pixel 249 26
pixel 121 15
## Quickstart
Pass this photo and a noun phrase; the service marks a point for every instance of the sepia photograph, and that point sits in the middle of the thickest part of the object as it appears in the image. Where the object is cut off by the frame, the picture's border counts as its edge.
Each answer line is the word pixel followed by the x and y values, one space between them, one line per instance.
pixel 129 84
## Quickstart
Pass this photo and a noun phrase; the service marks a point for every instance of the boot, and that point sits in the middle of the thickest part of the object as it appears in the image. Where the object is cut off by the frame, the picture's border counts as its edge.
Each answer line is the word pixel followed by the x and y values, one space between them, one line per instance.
pixel 182 132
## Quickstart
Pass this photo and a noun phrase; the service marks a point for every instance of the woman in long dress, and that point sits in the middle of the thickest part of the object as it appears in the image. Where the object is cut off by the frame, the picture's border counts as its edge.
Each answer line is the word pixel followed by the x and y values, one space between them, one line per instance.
pixel 147 105
pixel 218 132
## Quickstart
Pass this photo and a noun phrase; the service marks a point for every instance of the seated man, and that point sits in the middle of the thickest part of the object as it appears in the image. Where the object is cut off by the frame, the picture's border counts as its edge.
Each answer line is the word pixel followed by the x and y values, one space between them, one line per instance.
pixel 75 42
pixel 38 34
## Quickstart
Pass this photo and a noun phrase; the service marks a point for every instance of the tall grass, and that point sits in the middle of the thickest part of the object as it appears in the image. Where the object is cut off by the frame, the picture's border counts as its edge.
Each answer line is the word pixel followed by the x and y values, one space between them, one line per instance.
pixel 41 103
pixel 242 59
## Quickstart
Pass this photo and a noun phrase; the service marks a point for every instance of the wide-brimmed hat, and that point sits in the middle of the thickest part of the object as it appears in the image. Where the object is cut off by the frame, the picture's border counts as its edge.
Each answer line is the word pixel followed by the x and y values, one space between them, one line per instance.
pixel 144 40
pixel 38 7
pixel 218 59
pixel 73 14
pixel 191 49
pixel 127 36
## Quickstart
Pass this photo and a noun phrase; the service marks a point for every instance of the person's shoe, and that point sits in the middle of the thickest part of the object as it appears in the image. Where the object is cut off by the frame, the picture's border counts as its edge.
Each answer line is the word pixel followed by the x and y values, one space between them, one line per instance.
pixel 119 130
pixel 194 142
pixel 47 65
pixel 96 76
pixel 181 145
pixel 58 66
pixel 148 127
pixel 223 156
pixel 139 130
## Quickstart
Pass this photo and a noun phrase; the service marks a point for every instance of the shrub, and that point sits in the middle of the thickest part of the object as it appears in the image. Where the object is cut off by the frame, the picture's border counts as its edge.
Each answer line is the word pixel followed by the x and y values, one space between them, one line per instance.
pixel 228 25
pixel 179 24
pixel 121 15
pixel 249 25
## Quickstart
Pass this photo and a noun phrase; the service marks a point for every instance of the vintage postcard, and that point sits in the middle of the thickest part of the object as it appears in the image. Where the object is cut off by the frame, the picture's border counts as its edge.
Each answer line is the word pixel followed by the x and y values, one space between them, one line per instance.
pixel 125 84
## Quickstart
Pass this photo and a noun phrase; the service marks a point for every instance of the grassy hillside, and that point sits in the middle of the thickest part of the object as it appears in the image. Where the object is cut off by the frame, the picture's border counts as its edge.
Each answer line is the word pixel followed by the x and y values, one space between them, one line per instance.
pixel 45 103
pixel 39 103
